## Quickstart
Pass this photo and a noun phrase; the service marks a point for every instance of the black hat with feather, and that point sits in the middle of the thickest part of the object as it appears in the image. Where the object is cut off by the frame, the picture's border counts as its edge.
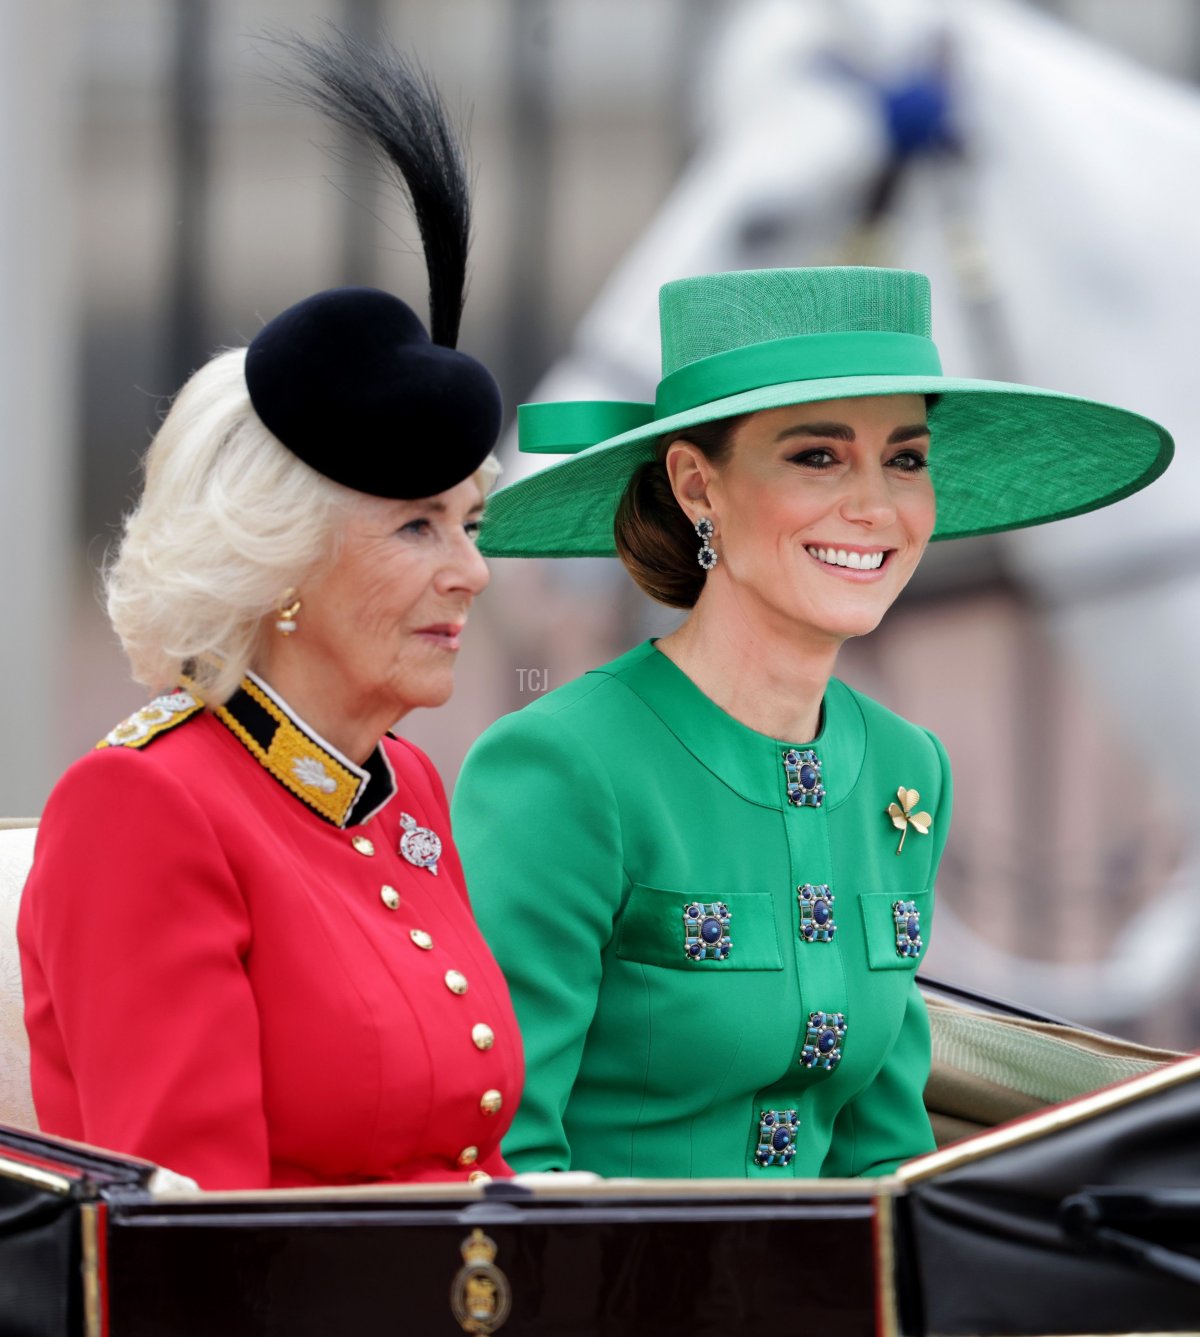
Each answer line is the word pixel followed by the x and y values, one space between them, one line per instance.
pixel 348 379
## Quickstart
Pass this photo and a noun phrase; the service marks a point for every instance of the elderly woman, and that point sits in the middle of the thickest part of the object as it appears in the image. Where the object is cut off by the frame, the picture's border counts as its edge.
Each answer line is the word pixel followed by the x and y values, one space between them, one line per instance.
pixel 707 868
pixel 247 949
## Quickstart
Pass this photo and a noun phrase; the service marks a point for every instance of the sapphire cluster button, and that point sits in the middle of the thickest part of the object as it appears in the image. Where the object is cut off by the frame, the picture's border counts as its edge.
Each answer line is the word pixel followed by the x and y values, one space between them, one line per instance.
pixel 907 919
pixel 803 770
pixel 823 1040
pixel 706 931
pixel 817 923
pixel 776 1137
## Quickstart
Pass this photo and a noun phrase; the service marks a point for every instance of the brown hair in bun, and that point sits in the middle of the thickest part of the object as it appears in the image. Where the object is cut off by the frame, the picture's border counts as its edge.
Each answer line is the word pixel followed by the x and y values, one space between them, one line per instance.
pixel 654 537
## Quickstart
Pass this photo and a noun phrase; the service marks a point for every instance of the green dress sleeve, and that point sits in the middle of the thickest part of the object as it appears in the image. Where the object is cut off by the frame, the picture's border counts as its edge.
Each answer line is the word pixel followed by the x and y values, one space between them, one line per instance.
pixel 535 820
pixel 877 1131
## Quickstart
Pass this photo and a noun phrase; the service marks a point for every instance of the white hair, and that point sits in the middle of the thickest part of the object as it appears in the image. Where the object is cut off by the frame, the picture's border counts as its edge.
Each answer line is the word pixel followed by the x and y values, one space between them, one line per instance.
pixel 229 519
pixel 228 522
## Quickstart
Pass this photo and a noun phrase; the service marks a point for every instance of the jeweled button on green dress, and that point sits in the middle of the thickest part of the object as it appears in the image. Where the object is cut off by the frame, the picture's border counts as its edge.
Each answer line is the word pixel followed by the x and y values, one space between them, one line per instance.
pixel 709 936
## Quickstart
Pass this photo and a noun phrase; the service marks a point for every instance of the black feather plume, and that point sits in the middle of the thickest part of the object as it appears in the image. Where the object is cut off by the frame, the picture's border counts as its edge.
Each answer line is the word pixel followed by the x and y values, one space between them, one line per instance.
pixel 377 93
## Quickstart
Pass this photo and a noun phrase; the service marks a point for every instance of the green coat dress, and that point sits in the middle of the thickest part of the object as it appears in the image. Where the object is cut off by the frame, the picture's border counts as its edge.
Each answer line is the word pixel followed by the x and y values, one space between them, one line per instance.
pixel 712 978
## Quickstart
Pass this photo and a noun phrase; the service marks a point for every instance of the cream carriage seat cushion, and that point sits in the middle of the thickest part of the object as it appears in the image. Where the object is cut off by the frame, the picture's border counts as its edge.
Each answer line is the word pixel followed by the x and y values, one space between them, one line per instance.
pixel 16 856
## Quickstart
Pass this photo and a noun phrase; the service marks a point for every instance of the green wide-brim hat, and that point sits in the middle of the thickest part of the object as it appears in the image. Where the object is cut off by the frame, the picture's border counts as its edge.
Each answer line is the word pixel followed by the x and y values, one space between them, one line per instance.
pixel 1003 456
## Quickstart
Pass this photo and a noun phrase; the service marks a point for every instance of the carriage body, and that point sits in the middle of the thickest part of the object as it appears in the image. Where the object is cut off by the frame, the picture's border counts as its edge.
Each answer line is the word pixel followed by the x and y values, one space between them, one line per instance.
pixel 1081 1217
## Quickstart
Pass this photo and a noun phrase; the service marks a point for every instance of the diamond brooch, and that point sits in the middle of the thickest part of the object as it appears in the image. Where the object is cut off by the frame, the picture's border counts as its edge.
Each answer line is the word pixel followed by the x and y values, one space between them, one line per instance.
pixel 419 845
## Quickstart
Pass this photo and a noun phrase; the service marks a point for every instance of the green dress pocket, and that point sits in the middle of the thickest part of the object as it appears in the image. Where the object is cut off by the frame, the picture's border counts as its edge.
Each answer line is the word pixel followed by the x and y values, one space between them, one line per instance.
pixel 654 931
pixel 896 938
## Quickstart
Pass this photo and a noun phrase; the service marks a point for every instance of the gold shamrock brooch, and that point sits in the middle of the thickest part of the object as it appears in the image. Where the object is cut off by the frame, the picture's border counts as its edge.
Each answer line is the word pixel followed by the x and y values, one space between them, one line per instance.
pixel 903 817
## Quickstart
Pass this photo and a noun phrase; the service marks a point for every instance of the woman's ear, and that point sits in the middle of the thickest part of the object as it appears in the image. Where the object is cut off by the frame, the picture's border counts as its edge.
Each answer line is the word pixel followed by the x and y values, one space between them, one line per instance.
pixel 689 472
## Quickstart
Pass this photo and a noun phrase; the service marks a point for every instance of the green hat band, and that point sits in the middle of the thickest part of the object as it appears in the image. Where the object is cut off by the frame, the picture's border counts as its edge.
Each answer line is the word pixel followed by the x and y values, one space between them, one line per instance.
pixel 804 357
pixel 573 425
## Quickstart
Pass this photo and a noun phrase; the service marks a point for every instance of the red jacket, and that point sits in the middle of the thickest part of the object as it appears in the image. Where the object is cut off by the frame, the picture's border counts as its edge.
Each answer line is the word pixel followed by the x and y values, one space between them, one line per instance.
pixel 214 978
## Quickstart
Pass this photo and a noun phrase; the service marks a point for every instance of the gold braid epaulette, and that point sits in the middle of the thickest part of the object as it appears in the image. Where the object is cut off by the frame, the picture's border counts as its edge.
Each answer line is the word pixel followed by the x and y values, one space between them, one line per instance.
pixel 163 714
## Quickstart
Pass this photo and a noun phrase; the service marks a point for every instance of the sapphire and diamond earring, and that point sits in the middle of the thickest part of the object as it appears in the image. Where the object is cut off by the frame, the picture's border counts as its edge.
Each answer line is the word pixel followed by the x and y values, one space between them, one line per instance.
pixel 707 556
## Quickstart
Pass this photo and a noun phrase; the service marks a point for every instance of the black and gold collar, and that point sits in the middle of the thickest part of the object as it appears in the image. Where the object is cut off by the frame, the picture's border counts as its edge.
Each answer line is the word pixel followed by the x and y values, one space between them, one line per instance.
pixel 308 767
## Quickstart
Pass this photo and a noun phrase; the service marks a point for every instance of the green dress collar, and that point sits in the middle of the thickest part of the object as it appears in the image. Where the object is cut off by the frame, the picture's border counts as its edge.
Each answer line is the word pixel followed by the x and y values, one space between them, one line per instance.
pixel 750 763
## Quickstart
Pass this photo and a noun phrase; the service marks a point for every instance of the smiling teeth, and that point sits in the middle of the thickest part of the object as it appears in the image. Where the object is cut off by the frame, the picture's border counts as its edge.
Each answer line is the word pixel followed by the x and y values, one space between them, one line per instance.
pixel 856 561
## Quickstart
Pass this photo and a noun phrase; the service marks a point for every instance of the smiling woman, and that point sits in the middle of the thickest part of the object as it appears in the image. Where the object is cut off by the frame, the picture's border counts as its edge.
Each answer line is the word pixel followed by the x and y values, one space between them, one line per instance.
pixel 822 512
pixel 713 952
pixel 272 977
